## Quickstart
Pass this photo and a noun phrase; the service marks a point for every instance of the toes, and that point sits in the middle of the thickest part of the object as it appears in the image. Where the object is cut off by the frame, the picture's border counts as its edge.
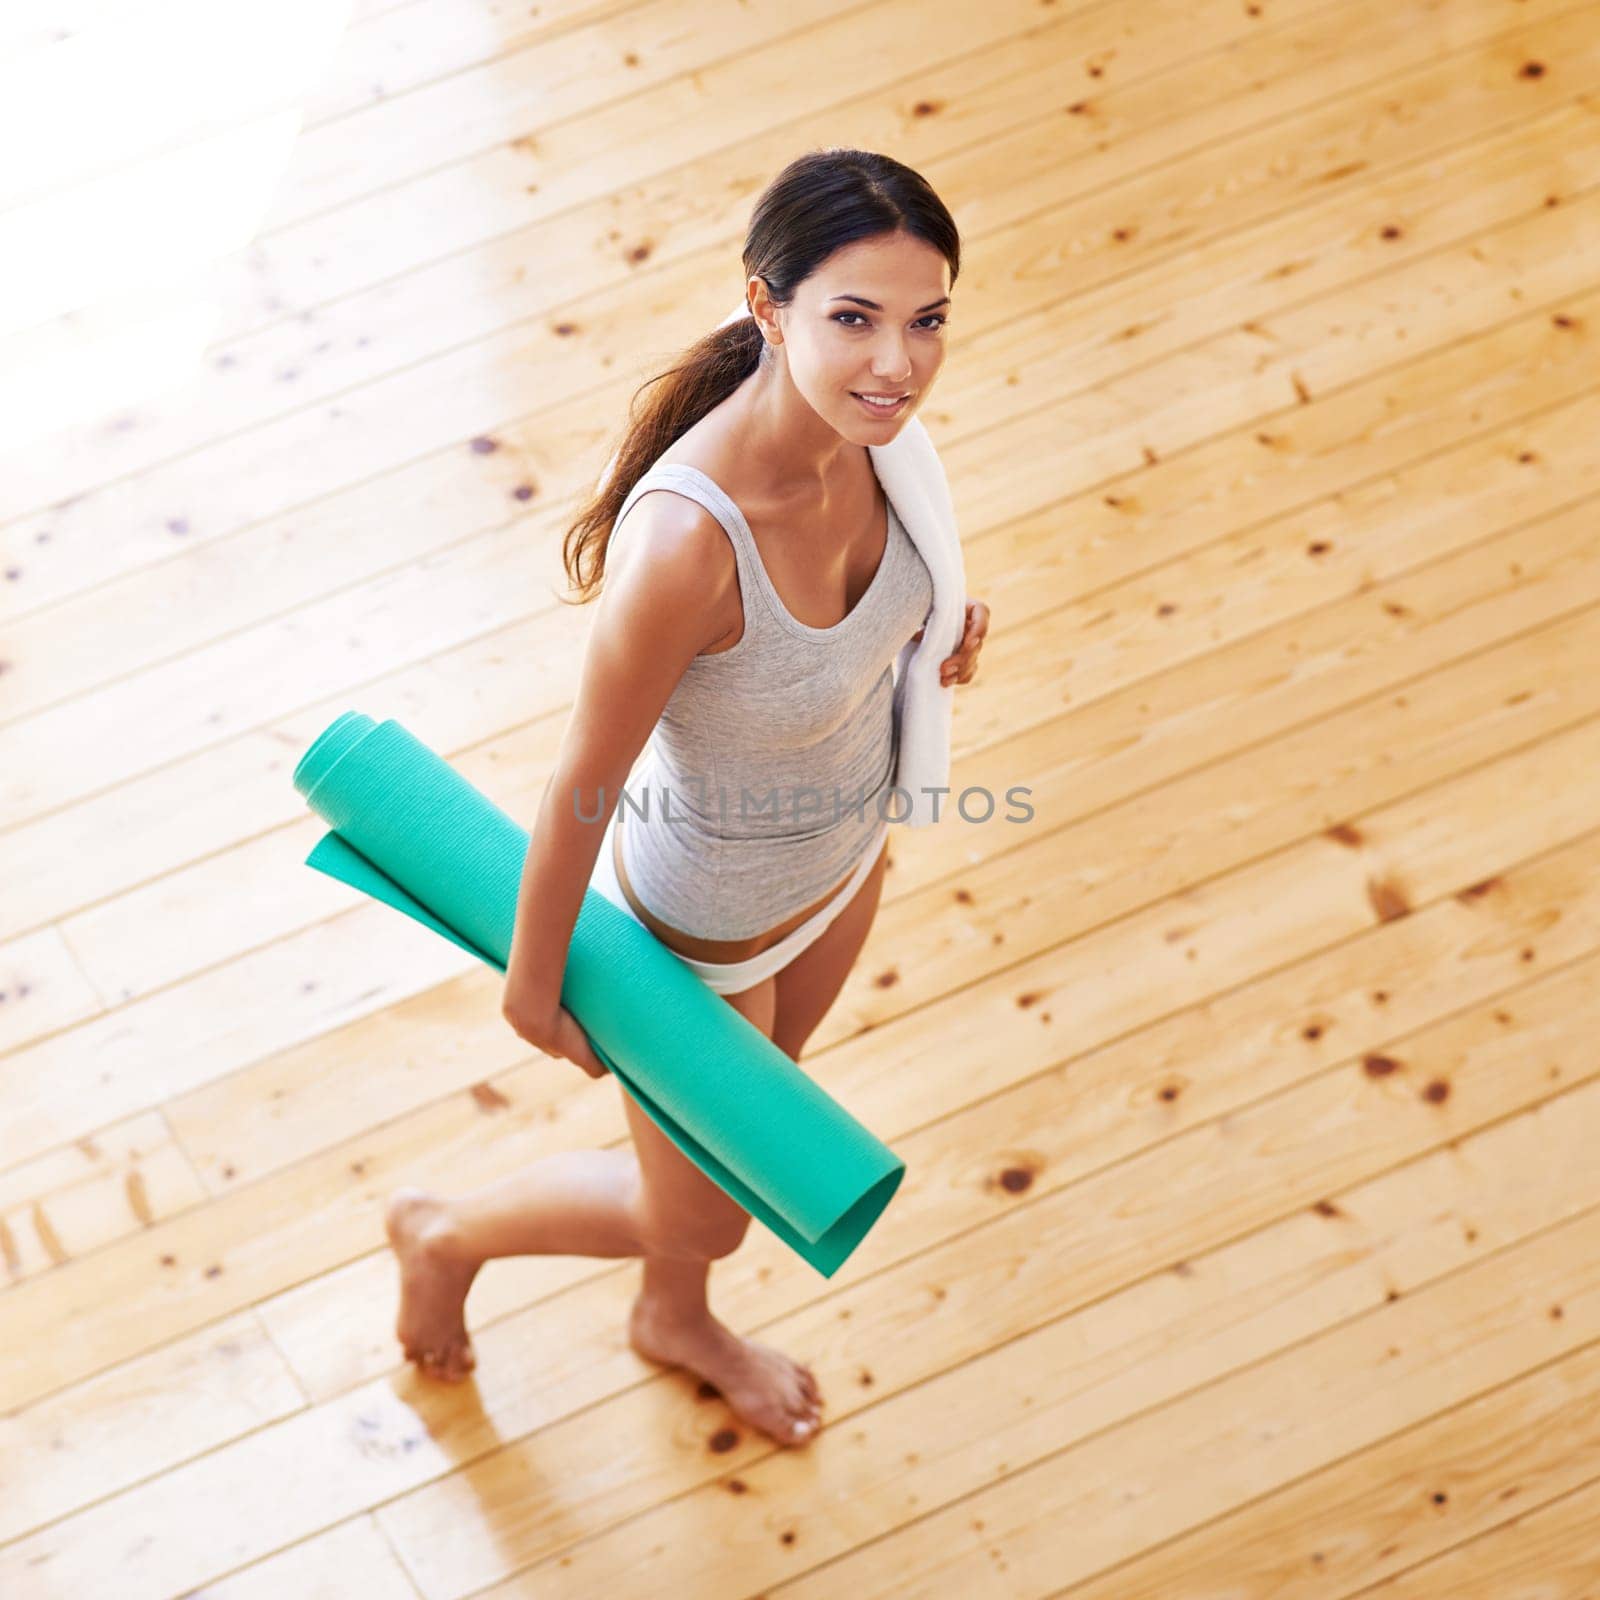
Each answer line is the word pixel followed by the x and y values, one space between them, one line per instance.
pixel 450 1361
pixel 455 1362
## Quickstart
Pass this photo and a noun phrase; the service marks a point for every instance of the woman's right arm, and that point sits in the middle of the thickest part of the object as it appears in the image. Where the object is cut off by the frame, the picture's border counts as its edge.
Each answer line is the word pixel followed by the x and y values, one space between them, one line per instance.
pixel 659 607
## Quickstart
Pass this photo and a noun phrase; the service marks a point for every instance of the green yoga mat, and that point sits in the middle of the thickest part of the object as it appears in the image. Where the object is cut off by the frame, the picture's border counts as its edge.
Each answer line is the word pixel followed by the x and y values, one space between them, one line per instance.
pixel 408 830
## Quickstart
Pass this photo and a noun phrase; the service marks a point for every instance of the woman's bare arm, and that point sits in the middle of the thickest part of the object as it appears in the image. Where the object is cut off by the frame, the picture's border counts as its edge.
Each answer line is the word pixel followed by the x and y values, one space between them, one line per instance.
pixel 663 601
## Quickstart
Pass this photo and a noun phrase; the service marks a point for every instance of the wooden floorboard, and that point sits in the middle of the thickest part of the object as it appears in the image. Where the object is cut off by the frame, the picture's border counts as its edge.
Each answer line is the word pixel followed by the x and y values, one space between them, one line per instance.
pixel 1250 1238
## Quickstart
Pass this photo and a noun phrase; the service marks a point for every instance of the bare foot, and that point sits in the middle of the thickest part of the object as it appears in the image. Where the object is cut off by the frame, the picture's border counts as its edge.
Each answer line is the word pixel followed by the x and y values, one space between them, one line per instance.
pixel 764 1386
pixel 434 1279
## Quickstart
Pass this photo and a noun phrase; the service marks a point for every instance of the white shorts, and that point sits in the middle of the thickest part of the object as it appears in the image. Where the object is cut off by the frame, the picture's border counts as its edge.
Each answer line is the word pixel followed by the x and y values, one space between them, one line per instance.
pixel 732 977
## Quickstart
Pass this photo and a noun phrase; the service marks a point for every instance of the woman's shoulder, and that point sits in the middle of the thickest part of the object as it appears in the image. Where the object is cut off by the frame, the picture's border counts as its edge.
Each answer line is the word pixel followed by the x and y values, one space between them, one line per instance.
pixel 679 531
pixel 681 560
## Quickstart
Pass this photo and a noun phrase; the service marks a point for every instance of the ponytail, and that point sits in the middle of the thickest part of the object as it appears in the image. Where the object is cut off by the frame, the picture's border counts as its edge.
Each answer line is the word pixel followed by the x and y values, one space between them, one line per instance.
pixel 709 372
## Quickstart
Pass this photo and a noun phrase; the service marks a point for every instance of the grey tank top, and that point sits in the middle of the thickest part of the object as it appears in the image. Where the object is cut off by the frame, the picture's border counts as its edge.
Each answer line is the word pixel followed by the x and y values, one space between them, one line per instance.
pixel 767 772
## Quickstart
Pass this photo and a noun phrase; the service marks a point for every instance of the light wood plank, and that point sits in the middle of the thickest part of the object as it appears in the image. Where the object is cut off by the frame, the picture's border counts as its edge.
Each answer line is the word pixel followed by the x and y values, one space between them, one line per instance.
pixel 64 1092
pixel 1230 1054
pixel 1119 640
pixel 1036 1259
pixel 135 1420
pixel 1036 180
pixel 324 1567
pixel 1213 1449
pixel 44 988
pixel 1505 1480
pixel 247 1123
pixel 393 51
pixel 1552 1546
pixel 53 760
pixel 1249 1218
pixel 64 1085
pixel 1482 381
pixel 653 46
pixel 81 1196
pixel 489 287
pixel 324 1211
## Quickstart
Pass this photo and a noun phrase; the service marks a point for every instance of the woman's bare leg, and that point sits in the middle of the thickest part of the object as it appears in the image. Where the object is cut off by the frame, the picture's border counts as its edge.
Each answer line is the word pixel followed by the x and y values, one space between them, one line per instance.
pixel 651 1201
pixel 579 1202
pixel 671 1319
pixel 689 1221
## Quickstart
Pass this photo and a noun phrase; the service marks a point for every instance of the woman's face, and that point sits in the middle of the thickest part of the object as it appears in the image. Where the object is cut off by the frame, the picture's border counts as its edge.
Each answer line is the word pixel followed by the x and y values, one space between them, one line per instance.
pixel 838 348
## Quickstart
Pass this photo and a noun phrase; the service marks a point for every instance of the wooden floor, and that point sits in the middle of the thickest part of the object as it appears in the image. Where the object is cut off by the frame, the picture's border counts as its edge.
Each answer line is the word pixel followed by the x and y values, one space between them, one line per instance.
pixel 1250 1242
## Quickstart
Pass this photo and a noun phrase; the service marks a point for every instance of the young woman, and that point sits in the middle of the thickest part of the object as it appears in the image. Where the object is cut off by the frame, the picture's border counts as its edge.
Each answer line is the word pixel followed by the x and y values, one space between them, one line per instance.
pixel 758 588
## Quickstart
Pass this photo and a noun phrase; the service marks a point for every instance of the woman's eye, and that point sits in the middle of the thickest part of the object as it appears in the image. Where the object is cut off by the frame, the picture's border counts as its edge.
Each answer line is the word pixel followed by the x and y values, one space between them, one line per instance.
pixel 935 318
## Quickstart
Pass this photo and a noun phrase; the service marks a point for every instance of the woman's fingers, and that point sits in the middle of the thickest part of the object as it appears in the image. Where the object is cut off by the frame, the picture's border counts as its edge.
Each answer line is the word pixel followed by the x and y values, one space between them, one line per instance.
pixel 960 667
pixel 574 1044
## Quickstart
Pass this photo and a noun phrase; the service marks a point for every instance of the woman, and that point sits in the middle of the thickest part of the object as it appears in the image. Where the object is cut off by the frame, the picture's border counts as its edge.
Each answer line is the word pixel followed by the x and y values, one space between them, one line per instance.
pixel 759 588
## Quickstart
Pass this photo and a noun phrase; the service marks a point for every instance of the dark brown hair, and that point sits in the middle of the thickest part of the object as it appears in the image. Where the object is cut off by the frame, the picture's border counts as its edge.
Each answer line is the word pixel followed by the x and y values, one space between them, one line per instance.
pixel 819 203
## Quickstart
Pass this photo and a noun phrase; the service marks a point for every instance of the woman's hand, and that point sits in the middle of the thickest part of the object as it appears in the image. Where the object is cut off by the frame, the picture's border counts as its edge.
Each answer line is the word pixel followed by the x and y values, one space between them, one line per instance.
pixel 555 1032
pixel 963 665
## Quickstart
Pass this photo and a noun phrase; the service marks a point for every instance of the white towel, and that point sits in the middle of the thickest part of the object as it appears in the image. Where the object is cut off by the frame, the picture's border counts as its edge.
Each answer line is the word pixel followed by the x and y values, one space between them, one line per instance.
pixel 913 478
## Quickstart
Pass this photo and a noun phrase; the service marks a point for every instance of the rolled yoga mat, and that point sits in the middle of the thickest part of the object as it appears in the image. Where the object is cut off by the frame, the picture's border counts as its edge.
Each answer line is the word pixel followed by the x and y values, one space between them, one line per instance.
pixel 408 830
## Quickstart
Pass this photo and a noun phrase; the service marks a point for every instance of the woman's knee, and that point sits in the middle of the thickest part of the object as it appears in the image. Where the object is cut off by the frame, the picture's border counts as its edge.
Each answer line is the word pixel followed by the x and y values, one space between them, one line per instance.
pixel 697 1239
pixel 678 1210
